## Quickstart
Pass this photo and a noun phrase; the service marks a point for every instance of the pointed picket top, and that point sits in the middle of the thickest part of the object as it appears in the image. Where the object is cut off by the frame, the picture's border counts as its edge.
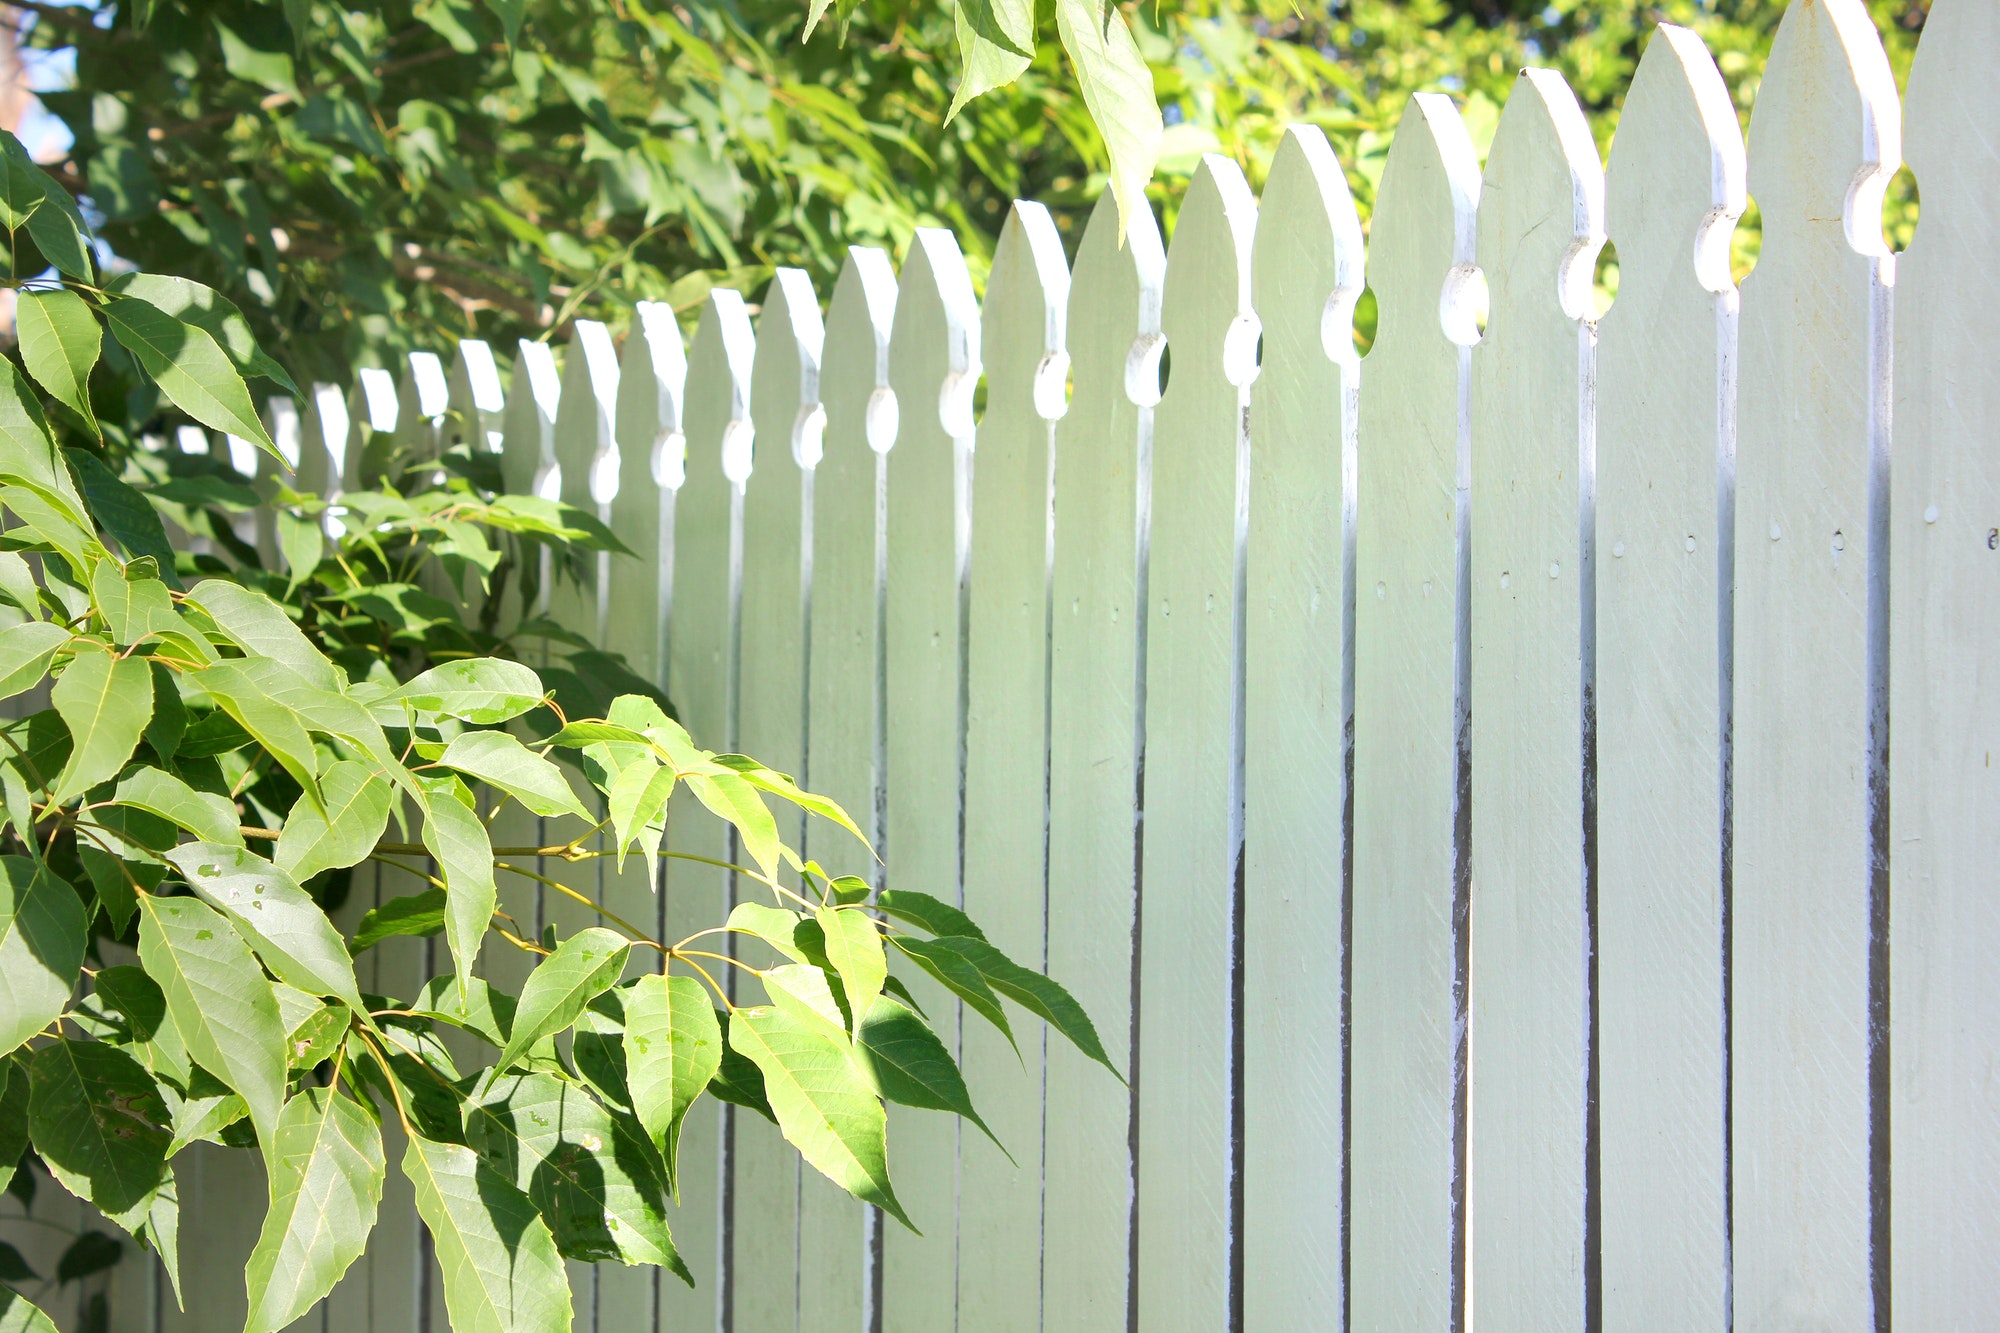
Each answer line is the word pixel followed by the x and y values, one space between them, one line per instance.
pixel 1422 235
pixel 1665 449
pixel 1193 832
pixel 473 391
pixel 933 367
pixel 1027 368
pixel 371 411
pixel 1103 455
pixel 1827 134
pixel 528 423
pixel 323 436
pixel 652 378
pixel 845 684
pixel 1306 275
pixel 586 450
pixel 706 518
pixel 1535 259
pixel 1810 587
pixel 771 723
pixel 422 396
pixel 718 410
pixel 1945 618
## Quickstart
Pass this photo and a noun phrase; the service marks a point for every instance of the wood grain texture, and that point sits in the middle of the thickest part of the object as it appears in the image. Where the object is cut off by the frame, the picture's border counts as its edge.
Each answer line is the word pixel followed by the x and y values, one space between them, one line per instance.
pixel 845 700
pixel 701 672
pixel 777 567
pixel 1811 423
pixel 1298 708
pixel 1104 449
pixel 1406 1043
pixel 1193 839
pixel 1944 1108
pixel 1541 222
pixel 933 368
pixel 1665 458
pixel 1006 765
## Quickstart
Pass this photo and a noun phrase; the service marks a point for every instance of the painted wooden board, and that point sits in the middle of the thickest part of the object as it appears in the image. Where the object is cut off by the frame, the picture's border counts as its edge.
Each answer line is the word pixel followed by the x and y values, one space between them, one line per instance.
pixel 1944 1109
pixel 652 384
pixel 1006 765
pixel 1666 442
pixel 528 421
pixel 845 703
pixel 423 396
pixel 1190 897
pixel 1808 684
pixel 475 402
pixel 323 441
pixel 281 422
pixel 701 669
pixel 1097 676
pixel 933 368
pixel 1541 223
pixel 1298 711
pixel 372 409
pixel 586 453
pixel 771 725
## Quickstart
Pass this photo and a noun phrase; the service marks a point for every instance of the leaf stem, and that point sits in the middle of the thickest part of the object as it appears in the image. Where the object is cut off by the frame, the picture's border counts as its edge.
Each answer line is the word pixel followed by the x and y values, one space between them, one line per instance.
pixel 636 935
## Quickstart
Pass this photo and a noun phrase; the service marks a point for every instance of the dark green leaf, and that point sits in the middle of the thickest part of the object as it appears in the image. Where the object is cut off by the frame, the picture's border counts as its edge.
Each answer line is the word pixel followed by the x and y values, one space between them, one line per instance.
pixel 419 914
pixel 25 652
pixel 91 1252
pixel 208 309
pixel 190 368
pixel 42 939
pixel 95 1113
pixel 927 913
pixel 123 512
pixel 20 189
pixel 944 960
pixel 908 1064
pixel 1037 994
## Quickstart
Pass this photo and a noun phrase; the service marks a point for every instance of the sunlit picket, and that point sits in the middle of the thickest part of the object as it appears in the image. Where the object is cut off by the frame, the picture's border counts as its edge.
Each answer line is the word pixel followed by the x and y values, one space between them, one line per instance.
pixel 1456 779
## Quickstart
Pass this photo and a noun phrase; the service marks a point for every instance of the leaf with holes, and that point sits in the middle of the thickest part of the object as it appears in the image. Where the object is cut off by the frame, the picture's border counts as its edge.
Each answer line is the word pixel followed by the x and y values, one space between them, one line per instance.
pixel 95 1113
pixel 283 924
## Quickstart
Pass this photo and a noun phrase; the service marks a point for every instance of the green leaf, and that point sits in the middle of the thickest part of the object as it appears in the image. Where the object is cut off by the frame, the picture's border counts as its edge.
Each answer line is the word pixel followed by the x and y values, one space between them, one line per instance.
pixel 419 914
pixel 996 42
pixel 485 1012
pixel 303 543
pixel 907 1063
pixel 105 702
pixel 17 585
pixel 673 1047
pixel 495 757
pixel 854 947
pixel 260 627
pixel 511 13
pixel 502 1273
pixel 738 1081
pixel 273 725
pixel 357 810
pixel 202 1119
pixel 25 652
pixel 28 454
pixel 13 1117
pixel 823 1106
pixel 576 735
pixel 735 800
pixel 778 784
pixel 57 227
pixel 326 1184
pixel 209 817
pixel 583 966
pixel 589 1171
pixel 281 921
pixel 220 1002
pixel 484 691
pixel 809 994
pixel 946 961
pixel 927 913
pixel 59 345
pixel 42 939
pixel 134 606
pixel 1117 87
pixel 190 368
pixel 637 801
pixel 123 512
pixel 94 1112
pixel 208 309
pixel 20 189
pixel 19 1315
pixel 773 925
pixel 1037 994
pixel 455 836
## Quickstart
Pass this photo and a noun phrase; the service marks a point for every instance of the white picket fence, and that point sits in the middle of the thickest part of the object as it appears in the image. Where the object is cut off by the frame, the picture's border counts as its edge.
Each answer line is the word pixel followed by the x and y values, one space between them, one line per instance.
pixel 1458 780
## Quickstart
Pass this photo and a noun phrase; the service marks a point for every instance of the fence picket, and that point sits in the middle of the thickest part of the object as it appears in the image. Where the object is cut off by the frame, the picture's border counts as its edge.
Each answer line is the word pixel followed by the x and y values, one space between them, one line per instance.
pixel 474 393
pixel 1541 222
pixel 1665 453
pixel 1945 622
pixel 1191 891
pixel 1299 604
pixel 323 438
pixel 933 370
pixel 1807 679
pixel 845 700
pixel 371 411
pixel 1006 757
pixel 1405 1233
pixel 423 394
pixel 777 562
pixel 701 666
pixel 652 386
pixel 528 422
pixel 1104 449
